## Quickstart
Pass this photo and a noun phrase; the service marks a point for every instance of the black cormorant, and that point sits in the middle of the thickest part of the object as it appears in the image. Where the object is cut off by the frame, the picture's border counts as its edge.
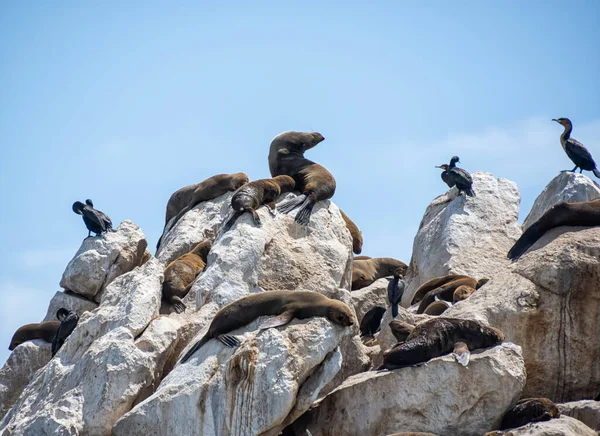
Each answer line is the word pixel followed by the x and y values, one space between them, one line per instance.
pixel 445 176
pixel 395 291
pixel 95 220
pixel 580 156
pixel 68 322
pixel 461 178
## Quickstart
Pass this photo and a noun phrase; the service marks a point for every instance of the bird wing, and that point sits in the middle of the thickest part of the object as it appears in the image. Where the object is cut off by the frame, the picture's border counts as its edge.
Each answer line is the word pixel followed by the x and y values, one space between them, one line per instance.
pixel 460 175
pixel 105 219
pixel 395 290
pixel 447 179
pixel 577 149
pixel 67 326
pixel 93 216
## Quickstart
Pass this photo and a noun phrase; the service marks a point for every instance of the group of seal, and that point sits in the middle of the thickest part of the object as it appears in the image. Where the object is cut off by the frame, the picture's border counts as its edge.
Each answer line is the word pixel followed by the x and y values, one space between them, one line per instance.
pixel 449 288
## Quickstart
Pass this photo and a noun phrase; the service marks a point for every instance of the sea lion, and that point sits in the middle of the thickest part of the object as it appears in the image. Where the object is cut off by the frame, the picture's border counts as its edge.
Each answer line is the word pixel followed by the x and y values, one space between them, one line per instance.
pixel 95 220
pixel 437 308
pixel 530 410
pixel 357 240
pixel 412 433
pixel 184 199
pixel 284 305
pixel 68 322
pixel 371 322
pixel 286 157
pixel 499 433
pixel 361 258
pixel 181 273
pixel 437 337
pixel 444 291
pixel 462 293
pixel 586 213
pixel 401 330
pixel 251 196
pixel 461 353
pixel 365 272
pixel 44 330
pixel 395 291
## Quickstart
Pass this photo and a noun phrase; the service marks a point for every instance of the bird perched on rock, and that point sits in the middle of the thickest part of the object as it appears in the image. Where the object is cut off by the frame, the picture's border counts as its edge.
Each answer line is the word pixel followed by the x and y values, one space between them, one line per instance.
pixel 95 220
pixel 454 176
pixel 68 322
pixel 395 291
pixel 580 156
pixel 461 353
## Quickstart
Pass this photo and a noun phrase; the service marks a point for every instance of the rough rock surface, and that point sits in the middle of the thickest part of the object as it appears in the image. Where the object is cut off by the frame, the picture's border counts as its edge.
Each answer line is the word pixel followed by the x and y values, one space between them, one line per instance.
pixel 567 186
pixel 365 299
pixel 465 235
pixel 101 259
pixel 441 397
pixel 586 411
pixel 18 370
pixel 69 301
pixel 563 426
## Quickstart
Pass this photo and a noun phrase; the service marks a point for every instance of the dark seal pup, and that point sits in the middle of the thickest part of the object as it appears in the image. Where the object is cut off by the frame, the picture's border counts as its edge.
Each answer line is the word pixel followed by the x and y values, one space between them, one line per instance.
pixel 366 271
pixel 437 337
pixel 357 240
pixel 586 214
pixel 95 220
pixel 184 199
pixel 250 197
pixel 530 410
pixel 371 322
pixel 68 322
pixel 284 305
pixel 45 331
pixel 181 273
pixel 286 157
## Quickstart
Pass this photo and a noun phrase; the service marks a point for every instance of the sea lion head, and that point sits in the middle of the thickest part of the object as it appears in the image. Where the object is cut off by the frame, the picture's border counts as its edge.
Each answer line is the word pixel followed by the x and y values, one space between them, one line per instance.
pixel 78 207
pixel 462 293
pixel 340 314
pixel 61 313
pixel 296 141
pixel 238 180
pixel 202 249
pixel 286 183
pixel 400 330
pixel 357 244
pixel 493 336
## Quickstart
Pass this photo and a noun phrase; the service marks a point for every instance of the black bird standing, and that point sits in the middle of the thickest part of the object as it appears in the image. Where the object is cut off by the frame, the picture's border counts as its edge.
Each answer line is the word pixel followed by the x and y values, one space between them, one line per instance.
pixel 395 291
pixel 580 156
pixel 458 177
pixel 95 221
pixel 445 176
pixel 68 322
pixel 371 322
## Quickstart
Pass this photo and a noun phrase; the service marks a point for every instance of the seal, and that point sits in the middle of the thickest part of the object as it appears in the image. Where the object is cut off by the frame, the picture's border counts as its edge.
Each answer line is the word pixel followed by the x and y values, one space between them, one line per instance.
pixel 184 199
pixel 181 274
pixel 283 305
pixel 286 157
pixel 44 330
pixel 357 240
pixel 401 330
pixel 445 290
pixel 250 197
pixel 462 293
pixel 437 308
pixel 68 322
pixel 561 214
pixel 365 272
pixel 371 322
pixel 437 337
pixel 530 410
pixel 361 258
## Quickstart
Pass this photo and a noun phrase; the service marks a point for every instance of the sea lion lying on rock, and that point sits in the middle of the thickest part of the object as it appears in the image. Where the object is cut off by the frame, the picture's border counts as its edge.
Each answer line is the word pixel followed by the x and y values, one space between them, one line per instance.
pixel 366 271
pixel 530 410
pixel 44 330
pixel 283 305
pixel 442 288
pixel 357 240
pixel 437 337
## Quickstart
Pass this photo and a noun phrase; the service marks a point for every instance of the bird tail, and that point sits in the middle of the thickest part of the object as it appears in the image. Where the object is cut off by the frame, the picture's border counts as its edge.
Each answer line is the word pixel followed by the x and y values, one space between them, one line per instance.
pixel 470 192
pixel 596 172
pixel 394 310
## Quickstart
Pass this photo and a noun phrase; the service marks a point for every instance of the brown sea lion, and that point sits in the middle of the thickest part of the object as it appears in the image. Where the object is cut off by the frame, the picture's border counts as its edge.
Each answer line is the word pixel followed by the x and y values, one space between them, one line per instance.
pixel 437 308
pixel 181 273
pixel 412 433
pixel 401 330
pixel 530 410
pixel 284 305
pixel 462 293
pixel 44 330
pixel 362 257
pixel 446 290
pixel 356 234
pixel 499 433
pixel 286 157
pixel 365 272
pixel 437 337
pixel 250 197
pixel 561 214
pixel 186 198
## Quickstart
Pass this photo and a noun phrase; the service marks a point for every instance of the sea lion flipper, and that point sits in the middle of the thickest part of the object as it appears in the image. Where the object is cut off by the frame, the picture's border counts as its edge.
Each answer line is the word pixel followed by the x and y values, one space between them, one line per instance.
pixel 289 205
pixel 303 215
pixel 229 340
pixel 271 208
pixel 178 305
pixel 256 219
pixel 278 320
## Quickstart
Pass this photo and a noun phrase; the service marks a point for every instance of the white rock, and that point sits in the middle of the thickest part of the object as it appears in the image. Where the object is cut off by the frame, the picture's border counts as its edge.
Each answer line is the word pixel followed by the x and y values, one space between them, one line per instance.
pixel 365 299
pixel 586 411
pixel 466 235
pixel 69 301
pixel 18 370
pixel 440 397
pixel 101 259
pixel 569 187
pixel 563 426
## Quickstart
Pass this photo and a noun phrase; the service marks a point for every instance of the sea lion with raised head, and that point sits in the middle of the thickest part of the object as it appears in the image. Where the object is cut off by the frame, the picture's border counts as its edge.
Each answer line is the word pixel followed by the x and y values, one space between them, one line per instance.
pixel 530 410
pixel 357 240
pixel 585 214
pixel 286 157
pixel 445 290
pixel 68 321
pixel 184 199
pixel 44 330
pixel 251 196
pixel 181 273
pixel 365 272
pixel 283 305
pixel 400 330
pixel 437 337
pixel 371 322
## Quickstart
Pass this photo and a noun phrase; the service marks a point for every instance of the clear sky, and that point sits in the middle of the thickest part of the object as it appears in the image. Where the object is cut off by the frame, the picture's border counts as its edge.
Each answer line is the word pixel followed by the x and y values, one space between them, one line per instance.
pixel 126 103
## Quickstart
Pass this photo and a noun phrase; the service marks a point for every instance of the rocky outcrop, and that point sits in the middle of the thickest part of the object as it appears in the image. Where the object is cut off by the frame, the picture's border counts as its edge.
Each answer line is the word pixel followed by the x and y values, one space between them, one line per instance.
pixel 563 426
pixel 69 301
pixel 465 235
pixel 101 259
pixel 586 411
pixel 365 299
pixel 441 397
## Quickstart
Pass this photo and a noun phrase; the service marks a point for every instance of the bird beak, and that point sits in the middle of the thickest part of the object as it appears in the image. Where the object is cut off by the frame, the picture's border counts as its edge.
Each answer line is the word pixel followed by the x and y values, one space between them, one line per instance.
pixel 438 166
pixel 554 119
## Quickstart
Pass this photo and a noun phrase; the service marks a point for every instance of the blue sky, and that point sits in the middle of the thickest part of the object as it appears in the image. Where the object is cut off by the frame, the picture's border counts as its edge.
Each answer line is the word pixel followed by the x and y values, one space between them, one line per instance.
pixel 125 104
